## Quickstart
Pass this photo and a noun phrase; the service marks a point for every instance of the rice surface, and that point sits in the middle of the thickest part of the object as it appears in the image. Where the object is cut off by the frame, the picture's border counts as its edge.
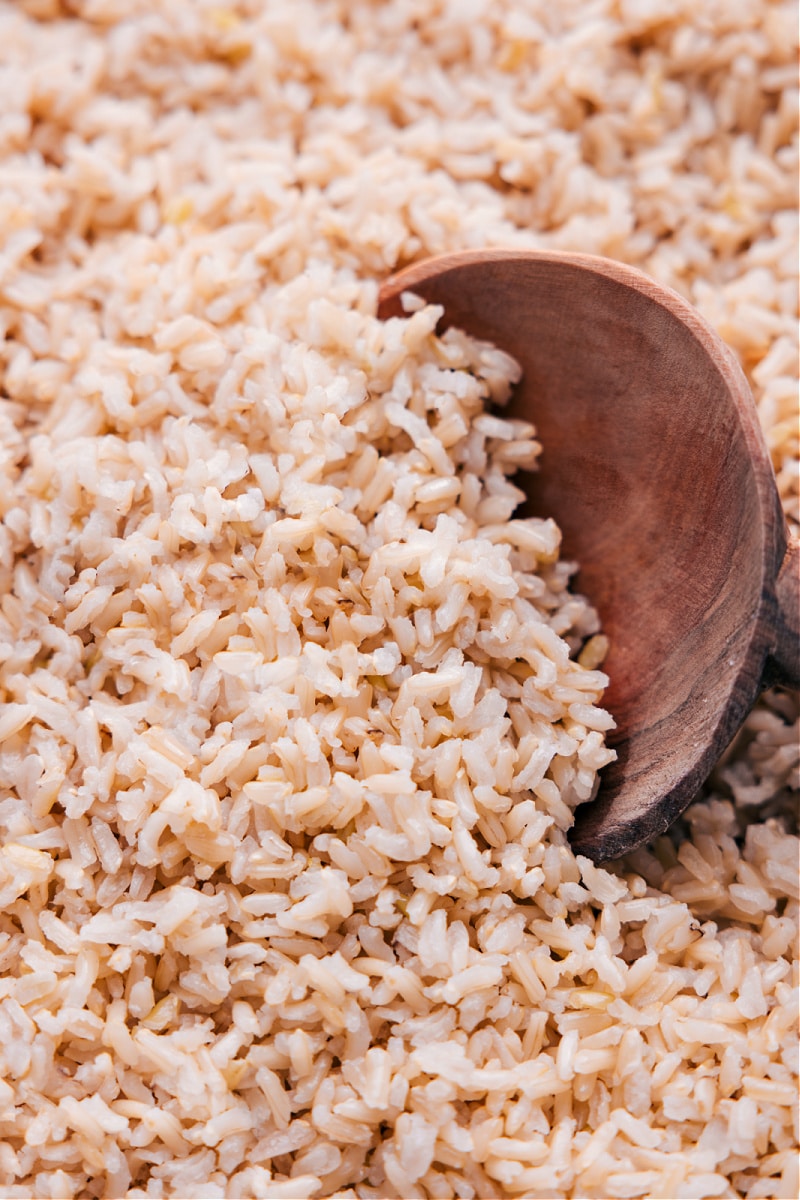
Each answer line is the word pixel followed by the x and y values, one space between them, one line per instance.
pixel 293 713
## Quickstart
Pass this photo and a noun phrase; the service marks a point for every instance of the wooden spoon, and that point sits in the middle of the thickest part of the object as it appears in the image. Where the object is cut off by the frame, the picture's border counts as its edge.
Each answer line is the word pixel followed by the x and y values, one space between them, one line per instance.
pixel 655 468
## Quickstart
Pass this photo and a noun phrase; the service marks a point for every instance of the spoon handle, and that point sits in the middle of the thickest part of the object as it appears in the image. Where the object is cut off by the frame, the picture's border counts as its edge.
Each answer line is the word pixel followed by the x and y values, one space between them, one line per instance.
pixel 783 664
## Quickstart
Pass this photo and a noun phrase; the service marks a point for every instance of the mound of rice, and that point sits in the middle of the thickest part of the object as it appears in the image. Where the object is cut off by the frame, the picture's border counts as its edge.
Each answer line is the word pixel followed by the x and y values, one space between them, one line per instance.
pixel 294 714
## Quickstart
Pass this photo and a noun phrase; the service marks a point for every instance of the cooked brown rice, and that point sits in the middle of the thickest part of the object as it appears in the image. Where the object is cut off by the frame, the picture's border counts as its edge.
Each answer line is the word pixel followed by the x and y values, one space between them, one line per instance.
pixel 292 721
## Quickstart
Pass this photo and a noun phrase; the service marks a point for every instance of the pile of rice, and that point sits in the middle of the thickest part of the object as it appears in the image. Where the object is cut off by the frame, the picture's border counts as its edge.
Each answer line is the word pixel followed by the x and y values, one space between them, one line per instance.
pixel 294 718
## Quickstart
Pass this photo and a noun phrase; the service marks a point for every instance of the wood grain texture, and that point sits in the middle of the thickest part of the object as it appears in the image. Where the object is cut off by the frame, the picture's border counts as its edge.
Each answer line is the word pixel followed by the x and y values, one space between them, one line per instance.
pixel 655 468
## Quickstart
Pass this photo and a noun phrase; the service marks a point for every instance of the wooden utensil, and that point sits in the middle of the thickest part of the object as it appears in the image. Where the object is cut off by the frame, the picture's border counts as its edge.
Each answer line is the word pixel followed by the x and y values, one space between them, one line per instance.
pixel 655 468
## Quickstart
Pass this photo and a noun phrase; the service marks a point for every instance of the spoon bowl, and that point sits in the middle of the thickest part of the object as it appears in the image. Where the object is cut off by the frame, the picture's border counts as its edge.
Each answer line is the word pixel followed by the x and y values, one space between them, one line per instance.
pixel 655 468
